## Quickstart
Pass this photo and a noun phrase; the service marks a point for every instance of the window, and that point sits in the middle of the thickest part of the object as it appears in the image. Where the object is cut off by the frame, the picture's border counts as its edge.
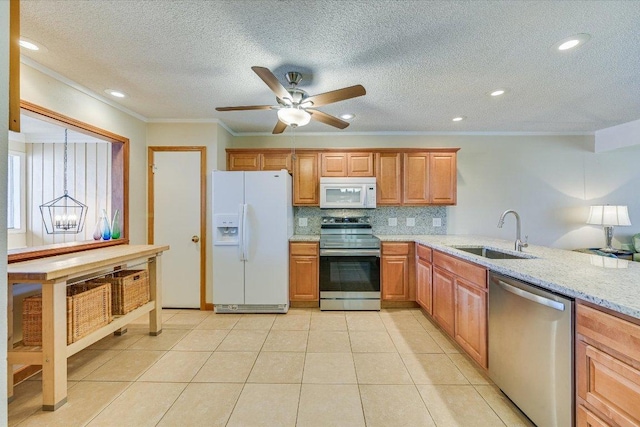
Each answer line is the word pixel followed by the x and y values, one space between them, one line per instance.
pixel 15 192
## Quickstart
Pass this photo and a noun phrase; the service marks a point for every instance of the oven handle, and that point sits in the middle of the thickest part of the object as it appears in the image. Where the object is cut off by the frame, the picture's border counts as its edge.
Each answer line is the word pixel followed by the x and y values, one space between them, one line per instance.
pixel 350 252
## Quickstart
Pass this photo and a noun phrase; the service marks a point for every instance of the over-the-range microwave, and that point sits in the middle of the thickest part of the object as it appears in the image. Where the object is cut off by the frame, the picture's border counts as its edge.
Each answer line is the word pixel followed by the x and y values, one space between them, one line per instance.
pixel 348 193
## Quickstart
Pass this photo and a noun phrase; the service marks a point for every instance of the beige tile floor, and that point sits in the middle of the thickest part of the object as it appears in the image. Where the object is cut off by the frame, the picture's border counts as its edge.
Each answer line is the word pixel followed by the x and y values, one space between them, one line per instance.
pixel 305 368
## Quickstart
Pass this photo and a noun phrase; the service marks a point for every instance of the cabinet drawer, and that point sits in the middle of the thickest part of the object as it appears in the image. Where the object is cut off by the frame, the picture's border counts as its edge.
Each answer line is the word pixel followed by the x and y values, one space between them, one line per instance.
pixel 466 270
pixel 306 249
pixel 423 252
pixel 608 385
pixel 389 248
pixel 613 332
pixel 586 418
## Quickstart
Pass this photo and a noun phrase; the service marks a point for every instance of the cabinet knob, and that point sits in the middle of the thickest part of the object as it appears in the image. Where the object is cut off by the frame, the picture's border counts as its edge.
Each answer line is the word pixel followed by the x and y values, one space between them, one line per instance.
pixel 195 239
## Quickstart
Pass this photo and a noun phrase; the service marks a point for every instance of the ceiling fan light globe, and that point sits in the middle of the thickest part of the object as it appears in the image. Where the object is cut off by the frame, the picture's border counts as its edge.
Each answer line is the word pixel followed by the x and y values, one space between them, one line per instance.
pixel 294 116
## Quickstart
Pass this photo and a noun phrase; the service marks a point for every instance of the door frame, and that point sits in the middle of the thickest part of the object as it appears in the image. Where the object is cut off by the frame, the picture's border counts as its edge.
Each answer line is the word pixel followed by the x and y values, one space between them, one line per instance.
pixel 151 150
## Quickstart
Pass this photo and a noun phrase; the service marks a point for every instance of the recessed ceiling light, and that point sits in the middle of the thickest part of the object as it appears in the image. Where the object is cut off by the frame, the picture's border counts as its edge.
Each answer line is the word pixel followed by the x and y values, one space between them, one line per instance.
pixel 116 93
pixel 458 119
pixel 497 92
pixel 347 116
pixel 571 42
pixel 31 45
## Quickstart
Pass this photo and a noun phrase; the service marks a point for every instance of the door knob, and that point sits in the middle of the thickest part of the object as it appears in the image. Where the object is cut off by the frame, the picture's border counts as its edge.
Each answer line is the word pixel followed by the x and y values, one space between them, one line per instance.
pixel 195 239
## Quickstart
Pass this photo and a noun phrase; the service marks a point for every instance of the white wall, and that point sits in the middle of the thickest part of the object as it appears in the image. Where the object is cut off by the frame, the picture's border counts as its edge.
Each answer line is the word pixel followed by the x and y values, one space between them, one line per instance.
pixel 549 180
pixel 45 91
pixel 4 144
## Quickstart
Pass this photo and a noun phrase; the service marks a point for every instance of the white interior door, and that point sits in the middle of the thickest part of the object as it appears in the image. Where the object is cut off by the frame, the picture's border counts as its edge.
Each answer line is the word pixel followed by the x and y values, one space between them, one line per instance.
pixel 176 207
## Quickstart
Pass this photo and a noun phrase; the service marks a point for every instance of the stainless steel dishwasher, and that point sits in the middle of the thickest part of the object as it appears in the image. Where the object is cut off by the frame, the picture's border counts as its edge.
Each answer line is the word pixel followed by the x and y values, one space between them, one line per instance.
pixel 531 349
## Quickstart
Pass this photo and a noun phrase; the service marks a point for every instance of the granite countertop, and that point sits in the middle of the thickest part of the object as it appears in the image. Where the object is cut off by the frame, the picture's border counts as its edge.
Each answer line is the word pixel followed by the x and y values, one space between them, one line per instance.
pixel 569 273
pixel 574 274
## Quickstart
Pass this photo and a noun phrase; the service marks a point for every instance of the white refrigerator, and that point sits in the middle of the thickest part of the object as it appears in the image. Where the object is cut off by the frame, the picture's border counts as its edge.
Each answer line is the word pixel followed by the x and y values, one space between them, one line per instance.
pixel 253 221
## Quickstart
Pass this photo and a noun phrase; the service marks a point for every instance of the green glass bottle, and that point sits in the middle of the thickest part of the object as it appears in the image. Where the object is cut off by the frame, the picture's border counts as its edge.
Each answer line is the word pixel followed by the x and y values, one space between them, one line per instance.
pixel 115 225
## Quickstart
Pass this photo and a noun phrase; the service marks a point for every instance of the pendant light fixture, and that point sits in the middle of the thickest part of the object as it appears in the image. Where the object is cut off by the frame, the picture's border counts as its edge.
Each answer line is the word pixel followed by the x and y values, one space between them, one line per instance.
pixel 64 215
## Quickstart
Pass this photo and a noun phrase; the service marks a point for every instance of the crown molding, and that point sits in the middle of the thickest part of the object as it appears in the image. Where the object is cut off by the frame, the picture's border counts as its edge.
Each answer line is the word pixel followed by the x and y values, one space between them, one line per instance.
pixel 62 79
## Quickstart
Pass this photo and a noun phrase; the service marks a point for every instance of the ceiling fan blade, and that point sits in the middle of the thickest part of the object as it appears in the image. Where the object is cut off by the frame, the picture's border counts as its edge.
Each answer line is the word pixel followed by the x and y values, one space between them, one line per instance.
pixel 267 76
pixel 336 95
pixel 327 119
pixel 245 107
pixel 280 127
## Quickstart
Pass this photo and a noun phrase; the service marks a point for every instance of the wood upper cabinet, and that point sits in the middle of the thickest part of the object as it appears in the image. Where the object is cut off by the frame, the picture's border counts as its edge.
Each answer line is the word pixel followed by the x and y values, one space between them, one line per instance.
pixel 303 271
pixel 607 361
pixel 443 187
pixel 275 161
pixel 460 303
pixel 389 178
pixel 245 161
pixel 306 182
pixel 346 164
pixel 416 179
pixel 258 161
pixel 397 280
pixel 423 277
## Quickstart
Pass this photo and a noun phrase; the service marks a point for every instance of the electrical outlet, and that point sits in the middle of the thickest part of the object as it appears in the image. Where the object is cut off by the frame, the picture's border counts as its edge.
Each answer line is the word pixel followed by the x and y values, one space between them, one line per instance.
pixel 437 222
pixel 411 222
pixel 393 222
pixel 302 222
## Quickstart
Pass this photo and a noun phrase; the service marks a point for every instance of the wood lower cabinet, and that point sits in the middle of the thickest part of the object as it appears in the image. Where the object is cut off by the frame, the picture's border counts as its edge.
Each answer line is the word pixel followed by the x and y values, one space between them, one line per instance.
pixel 444 299
pixel 423 277
pixel 304 271
pixel 397 272
pixel 460 303
pixel 471 320
pixel 306 181
pixel 607 369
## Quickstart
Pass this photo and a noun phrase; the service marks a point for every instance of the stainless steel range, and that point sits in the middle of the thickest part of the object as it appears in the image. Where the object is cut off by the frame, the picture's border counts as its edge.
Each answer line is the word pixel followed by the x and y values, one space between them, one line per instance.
pixel 349 264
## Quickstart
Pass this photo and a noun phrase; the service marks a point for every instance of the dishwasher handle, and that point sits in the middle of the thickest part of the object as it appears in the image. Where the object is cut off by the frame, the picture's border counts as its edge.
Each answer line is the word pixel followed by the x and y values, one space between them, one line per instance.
pixel 531 297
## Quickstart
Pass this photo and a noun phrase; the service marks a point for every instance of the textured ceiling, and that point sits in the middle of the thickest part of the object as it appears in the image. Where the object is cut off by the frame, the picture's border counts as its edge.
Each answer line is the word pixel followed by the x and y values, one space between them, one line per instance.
pixel 421 62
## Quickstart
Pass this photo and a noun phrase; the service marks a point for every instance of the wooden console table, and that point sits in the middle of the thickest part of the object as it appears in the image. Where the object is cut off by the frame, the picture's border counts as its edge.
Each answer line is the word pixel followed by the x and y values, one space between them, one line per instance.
pixel 54 273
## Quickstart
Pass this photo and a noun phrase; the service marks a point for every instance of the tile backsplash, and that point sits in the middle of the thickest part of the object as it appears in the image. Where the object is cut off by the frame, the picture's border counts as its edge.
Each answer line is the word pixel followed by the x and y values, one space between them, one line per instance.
pixel 423 218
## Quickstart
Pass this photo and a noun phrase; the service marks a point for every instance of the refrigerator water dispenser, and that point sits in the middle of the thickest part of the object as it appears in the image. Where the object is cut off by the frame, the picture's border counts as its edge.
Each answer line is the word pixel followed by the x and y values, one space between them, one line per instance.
pixel 226 226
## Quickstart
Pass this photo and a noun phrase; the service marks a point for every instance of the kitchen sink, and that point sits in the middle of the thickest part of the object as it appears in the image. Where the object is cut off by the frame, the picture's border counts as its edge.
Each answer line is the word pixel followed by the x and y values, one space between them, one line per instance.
pixel 491 253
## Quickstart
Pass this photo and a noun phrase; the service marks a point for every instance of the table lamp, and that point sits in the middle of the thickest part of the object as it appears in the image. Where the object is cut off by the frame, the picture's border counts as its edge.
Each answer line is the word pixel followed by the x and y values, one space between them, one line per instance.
pixel 608 217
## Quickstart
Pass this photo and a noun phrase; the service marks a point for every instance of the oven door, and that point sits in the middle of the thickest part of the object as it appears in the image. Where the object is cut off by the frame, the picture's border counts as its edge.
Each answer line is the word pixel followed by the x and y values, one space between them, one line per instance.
pixel 349 279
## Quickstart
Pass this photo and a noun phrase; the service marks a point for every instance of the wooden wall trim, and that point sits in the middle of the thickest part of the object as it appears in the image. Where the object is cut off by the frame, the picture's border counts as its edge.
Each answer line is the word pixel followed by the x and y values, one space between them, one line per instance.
pixel 119 182
pixel 203 209
pixel 36 252
pixel 14 65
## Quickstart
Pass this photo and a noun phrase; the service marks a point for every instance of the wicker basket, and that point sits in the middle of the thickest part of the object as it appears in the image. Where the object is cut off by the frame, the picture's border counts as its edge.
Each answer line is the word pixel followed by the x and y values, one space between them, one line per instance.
pixel 129 289
pixel 88 309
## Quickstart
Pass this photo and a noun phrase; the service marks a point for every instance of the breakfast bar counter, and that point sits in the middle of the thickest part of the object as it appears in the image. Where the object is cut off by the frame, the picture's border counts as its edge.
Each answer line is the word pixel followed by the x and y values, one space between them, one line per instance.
pixel 55 273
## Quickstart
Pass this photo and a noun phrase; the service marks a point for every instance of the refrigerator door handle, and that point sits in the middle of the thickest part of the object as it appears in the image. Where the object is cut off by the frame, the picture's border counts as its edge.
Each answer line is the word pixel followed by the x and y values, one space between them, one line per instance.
pixel 241 232
pixel 245 233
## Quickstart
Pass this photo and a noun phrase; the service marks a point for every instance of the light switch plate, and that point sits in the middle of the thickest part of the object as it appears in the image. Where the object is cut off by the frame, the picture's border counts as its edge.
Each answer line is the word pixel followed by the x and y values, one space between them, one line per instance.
pixel 411 222
pixel 393 222
pixel 302 222
pixel 437 222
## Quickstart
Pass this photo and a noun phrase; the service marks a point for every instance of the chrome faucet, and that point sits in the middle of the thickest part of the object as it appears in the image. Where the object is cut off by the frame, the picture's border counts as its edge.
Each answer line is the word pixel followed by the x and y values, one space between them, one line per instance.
pixel 519 244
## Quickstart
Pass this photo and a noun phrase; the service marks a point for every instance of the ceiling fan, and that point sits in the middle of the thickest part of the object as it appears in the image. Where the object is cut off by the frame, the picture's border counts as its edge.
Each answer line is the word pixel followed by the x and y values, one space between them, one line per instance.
pixel 295 107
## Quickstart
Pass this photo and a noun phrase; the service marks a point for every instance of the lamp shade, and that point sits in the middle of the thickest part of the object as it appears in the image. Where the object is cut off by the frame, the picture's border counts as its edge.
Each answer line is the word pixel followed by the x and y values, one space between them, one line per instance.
pixel 609 215
pixel 294 116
